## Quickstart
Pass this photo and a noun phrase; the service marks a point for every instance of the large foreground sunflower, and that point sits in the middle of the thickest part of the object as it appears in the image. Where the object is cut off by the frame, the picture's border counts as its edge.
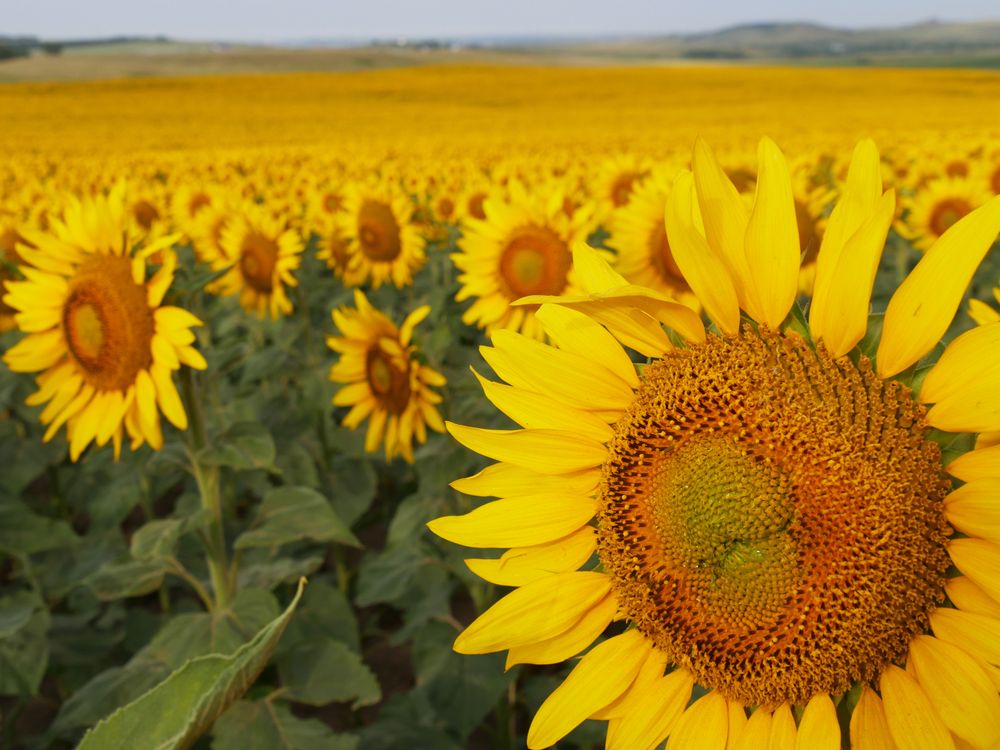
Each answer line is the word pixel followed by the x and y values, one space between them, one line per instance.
pixel 776 523
pixel 97 330
pixel 383 380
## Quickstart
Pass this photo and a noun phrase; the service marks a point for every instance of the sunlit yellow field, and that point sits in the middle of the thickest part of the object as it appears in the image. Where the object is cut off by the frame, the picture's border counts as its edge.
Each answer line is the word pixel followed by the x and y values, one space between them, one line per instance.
pixel 254 328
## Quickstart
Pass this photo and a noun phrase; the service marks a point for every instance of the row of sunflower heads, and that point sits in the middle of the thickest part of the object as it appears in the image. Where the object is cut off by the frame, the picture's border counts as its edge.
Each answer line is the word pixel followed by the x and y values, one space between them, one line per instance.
pixel 579 478
pixel 88 293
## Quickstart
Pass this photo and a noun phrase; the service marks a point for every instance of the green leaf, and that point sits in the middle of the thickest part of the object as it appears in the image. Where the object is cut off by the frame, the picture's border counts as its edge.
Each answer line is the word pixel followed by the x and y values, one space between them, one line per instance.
pixel 23 532
pixel 267 573
pixel 264 725
pixel 289 514
pixel 178 710
pixel 120 580
pixel 181 639
pixel 325 612
pixel 388 575
pixel 24 647
pixel 156 540
pixel 245 445
pixel 327 671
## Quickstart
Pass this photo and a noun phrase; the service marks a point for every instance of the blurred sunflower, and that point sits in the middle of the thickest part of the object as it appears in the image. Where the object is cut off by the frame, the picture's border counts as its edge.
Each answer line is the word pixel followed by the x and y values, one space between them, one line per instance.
pixel 640 238
pixel 938 205
pixel 383 242
pixel 773 517
pixel 384 381
pixel 332 247
pixel 262 253
pixel 97 328
pixel 617 178
pixel 522 247
pixel 10 238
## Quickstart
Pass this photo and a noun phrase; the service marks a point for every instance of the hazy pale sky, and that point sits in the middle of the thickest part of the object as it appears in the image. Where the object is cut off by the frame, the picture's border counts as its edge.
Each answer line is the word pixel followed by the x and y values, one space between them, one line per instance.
pixel 314 19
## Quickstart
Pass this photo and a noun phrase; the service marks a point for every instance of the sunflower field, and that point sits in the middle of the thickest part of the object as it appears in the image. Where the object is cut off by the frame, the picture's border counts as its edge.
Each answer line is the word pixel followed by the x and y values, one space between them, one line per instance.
pixel 480 408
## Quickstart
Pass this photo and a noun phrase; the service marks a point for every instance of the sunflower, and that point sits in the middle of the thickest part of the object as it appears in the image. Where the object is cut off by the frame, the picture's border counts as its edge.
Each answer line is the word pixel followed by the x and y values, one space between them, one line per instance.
pixel 97 330
pixel 261 253
pixel 522 247
pixel 640 238
pixel 10 238
pixel 384 382
pixel 773 511
pixel 617 178
pixel 383 242
pixel 938 205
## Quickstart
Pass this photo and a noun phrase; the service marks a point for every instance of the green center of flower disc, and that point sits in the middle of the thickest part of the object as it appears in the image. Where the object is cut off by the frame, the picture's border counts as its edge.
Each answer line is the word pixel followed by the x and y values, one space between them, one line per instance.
pixel 772 518
pixel 726 518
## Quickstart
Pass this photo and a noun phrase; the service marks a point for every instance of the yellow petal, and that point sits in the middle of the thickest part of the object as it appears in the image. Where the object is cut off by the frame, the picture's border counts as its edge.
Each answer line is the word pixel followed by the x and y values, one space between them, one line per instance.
pixel 703 726
pixel 959 690
pixel 737 717
pixel 966 595
pixel 725 218
pixel 757 732
pixel 603 674
pixel 84 428
pixel 167 397
pixel 533 410
pixel 575 332
pixel 544 451
pixel 652 714
pixel 566 376
pixel 522 565
pixel 982 313
pixel 982 463
pixel 652 669
pixel 978 635
pixel 782 729
pixel 145 408
pixel 569 643
pixel 704 271
pixel 845 317
pixel 854 208
pixel 974 509
pixel 772 237
pixel 909 714
pixel 504 480
pixel 964 361
pixel 925 303
pixel 517 521
pixel 980 561
pixel 869 730
pixel 593 272
pixel 819 728
pixel 542 609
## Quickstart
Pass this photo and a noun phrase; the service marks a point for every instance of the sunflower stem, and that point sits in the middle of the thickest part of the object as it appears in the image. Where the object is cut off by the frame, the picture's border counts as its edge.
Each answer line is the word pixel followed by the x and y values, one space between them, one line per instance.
pixel 207 480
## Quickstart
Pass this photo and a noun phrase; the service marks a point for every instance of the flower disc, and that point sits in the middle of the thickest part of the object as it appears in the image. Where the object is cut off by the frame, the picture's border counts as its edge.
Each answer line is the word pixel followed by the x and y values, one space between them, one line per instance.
pixel 772 518
pixel 388 380
pixel 378 231
pixel 108 323
pixel 258 257
pixel 535 261
pixel 946 212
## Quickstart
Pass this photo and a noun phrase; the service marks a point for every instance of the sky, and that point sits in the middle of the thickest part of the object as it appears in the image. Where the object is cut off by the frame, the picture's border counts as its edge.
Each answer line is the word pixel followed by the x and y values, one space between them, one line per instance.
pixel 290 20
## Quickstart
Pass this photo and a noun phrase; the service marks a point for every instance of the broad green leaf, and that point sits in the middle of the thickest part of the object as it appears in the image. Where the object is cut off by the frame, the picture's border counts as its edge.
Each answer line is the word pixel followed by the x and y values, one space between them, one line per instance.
pixel 388 575
pixel 245 445
pixel 181 639
pixel 463 688
pixel 24 647
pixel 289 514
pixel 181 708
pixel 325 612
pixel 133 578
pixel 326 671
pixel 268 572
pixel 265 725
pixel 23 532
pixel 351 486
pixel 156 540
